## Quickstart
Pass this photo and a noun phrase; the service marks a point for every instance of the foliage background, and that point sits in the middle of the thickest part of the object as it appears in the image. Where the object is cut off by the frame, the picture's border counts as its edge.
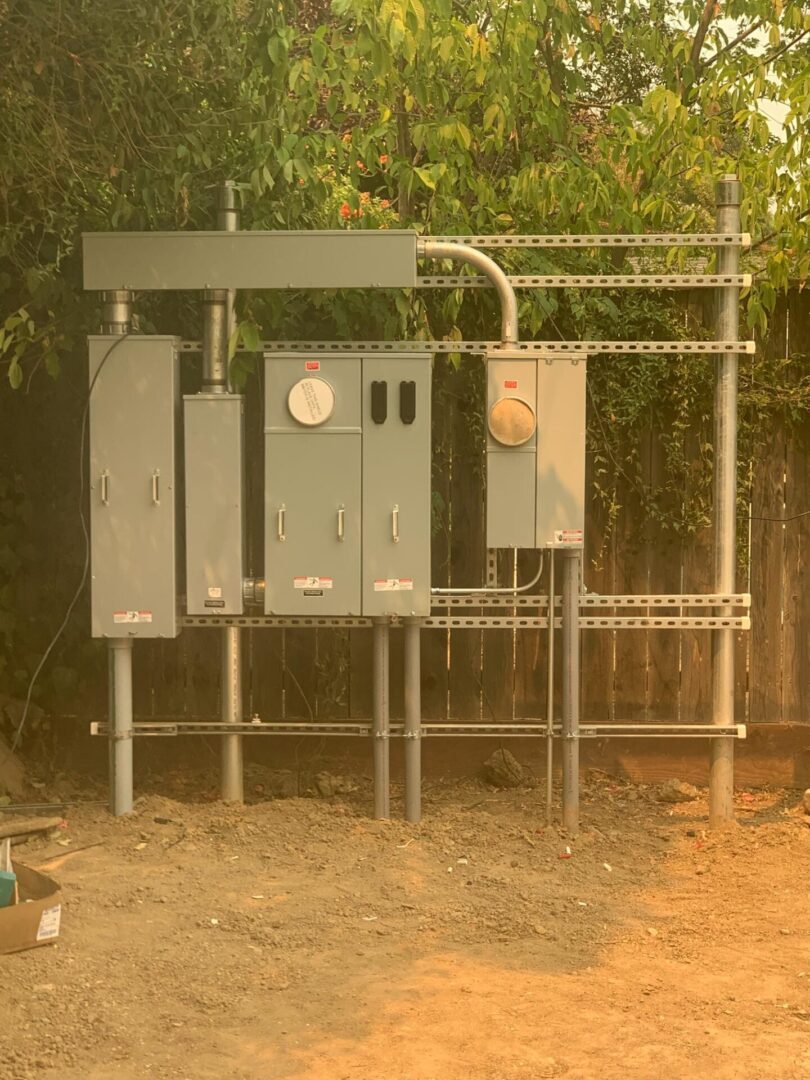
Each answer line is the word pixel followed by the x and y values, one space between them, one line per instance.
pixel 452 116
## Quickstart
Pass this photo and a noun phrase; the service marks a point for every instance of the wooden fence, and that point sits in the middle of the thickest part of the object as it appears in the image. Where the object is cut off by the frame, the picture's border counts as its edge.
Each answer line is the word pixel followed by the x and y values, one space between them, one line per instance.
pixel 467 674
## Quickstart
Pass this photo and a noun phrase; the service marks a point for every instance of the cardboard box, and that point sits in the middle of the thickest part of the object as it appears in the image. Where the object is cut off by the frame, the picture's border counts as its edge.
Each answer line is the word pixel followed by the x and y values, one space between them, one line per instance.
pixel 35 919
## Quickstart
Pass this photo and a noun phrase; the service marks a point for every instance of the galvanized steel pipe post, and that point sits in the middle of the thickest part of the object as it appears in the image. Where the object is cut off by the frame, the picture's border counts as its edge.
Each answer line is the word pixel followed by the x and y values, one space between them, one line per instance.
pixel 381 719
pixel 412 731
pixel 570 688
pixel 217 328
pixel 116 318
pixel 721 768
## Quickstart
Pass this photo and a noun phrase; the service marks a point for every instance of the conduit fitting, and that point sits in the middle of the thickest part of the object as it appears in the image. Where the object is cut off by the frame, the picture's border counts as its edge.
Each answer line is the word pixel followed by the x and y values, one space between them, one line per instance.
pixel 442 249
pixel 495 590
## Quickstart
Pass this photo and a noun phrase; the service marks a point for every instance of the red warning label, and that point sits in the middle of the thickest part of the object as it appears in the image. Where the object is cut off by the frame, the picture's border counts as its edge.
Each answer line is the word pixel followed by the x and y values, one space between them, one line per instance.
pixel 312 365
pixel 510 384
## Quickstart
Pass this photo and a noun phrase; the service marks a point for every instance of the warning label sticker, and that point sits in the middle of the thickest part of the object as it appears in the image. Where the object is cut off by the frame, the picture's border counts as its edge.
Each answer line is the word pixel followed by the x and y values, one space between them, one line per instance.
pixel 568 536
pixel 312 365
pixel 132 616
pixel 214 592
pixel 510 384
pixel 393 584
pixel 312 582
pixel 49 922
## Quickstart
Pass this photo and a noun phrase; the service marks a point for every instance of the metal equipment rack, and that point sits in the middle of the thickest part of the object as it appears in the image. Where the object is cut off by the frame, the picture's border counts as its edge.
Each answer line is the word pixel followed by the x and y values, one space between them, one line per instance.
pixel 222 263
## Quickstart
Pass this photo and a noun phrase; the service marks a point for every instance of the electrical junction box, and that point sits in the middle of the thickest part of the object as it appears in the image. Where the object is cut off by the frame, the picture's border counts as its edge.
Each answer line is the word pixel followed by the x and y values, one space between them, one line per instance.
pixel 347 484
pixel 535 451
pixel 133 413
pixel 214 491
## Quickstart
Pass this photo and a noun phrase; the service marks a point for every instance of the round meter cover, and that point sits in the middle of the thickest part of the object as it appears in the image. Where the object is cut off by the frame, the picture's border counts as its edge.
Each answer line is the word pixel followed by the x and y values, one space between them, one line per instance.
pixel 512 421
pixel 311 402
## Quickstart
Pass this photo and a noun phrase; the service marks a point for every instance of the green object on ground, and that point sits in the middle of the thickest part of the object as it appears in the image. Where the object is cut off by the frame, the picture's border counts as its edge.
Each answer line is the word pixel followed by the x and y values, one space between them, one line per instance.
pixel 8 879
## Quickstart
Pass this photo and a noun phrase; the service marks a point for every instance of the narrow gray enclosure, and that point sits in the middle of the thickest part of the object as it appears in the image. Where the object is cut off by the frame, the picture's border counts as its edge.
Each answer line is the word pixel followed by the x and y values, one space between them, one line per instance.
pixel 133 414
pixel 214 459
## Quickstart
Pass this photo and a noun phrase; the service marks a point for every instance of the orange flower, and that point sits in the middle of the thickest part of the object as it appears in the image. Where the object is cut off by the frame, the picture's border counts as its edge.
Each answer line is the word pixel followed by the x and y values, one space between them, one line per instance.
pixel 345 210
pixel 383 159
pixel 360 166
pixel 364 196
pixel 385 203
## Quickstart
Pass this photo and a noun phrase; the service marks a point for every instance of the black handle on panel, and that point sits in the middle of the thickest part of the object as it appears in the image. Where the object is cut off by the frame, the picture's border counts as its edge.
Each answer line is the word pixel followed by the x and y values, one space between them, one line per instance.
pixel 379 402
pixel 407 402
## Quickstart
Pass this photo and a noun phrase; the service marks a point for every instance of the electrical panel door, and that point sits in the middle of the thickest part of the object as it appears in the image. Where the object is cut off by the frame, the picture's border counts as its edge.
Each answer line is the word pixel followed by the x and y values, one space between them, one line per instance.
pixel 214 472
pixel 312 524
pixel 396 485
pixel 134 400
pixel 512 440
pixel 312 484
pixel 561 407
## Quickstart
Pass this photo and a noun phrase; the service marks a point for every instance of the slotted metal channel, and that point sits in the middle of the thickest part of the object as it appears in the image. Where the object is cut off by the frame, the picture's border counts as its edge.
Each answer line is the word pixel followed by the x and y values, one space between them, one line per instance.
pixel 531 348
pixel 597 240
pixel 590 281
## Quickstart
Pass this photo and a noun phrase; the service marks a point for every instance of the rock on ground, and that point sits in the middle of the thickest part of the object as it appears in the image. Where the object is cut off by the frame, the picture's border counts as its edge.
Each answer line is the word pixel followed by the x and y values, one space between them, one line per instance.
pixel 503 770
pixel 674 791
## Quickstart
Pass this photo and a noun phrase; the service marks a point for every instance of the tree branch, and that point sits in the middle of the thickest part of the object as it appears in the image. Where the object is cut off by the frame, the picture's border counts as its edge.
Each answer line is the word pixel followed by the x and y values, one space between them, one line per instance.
pixel 752 29
pixel 703 28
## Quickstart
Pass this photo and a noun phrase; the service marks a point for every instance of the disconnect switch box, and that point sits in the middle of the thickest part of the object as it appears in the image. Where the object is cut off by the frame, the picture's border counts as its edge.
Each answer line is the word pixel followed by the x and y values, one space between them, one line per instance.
pixel 134 399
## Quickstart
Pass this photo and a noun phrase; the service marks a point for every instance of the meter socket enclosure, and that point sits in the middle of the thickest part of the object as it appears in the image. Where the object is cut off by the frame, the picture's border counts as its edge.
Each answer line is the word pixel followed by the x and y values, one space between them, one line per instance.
pixel 535 451
pixel 347 484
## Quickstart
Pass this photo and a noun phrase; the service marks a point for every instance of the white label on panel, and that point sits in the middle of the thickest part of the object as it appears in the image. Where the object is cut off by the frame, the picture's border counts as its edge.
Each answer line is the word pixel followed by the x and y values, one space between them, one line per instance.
pixel 568 536
pixel 132 616
pixel 312 582
pixel 214 592
pixel 393 584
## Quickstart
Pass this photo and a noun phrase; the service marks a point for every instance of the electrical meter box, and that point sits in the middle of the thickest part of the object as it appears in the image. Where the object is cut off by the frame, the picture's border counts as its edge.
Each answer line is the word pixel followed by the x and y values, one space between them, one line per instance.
pixel 213 431
pixel 535 451
pixel 133 413
pixel 347 484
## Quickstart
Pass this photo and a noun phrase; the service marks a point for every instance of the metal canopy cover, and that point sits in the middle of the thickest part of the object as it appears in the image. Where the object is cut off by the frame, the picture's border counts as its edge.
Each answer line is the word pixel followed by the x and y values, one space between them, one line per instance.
pixel 337 259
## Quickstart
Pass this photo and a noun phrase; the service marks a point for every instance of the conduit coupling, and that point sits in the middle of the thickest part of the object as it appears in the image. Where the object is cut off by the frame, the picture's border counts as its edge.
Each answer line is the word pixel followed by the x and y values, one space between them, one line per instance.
pixel 441 249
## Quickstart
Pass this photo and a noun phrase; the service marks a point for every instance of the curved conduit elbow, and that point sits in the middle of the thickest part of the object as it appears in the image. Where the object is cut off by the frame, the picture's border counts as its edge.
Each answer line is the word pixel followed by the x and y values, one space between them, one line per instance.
pixel 441 249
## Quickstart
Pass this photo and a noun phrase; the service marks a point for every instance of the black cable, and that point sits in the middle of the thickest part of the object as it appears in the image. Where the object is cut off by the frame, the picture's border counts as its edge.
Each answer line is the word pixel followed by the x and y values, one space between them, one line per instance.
pixel 781 520
pixel 86 532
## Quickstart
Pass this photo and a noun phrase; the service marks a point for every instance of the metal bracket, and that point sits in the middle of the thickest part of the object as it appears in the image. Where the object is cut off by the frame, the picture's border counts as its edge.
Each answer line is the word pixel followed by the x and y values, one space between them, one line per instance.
pixel 550 349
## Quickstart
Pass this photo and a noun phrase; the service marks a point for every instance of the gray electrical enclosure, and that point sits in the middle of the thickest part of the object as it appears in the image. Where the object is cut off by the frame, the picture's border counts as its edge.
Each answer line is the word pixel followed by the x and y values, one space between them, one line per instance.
pixel 214 486
pixel 396 485
pixel 333 259
pixel 313 485
pixel 347 484
pixel 535 452
pixel 134 402
pixel 561 405
pixel 512 455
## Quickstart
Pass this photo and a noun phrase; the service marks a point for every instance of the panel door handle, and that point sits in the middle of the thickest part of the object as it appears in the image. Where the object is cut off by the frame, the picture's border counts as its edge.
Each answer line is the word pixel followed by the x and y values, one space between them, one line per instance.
pixel 282 518
pixel 105 488
pixel 156 487
pixel 395 524
pixel 341 523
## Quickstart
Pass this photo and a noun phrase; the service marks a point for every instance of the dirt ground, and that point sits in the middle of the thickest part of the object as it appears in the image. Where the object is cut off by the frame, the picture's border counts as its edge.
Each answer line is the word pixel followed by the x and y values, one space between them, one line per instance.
pixel 296 937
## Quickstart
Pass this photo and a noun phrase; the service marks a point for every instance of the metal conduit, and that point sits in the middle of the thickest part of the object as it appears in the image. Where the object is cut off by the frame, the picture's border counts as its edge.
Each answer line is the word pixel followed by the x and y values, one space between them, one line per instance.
pixel 439 249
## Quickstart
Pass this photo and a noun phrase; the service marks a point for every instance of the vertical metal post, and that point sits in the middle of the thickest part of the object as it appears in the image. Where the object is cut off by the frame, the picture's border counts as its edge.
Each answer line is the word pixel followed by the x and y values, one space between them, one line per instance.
pixel 721 767
pixel 232 771
pixel 121 727
pixel 570 689
pixel 550 691
pixel 116 318
pixel 380 725
pixel 218 305
pixel 413 720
